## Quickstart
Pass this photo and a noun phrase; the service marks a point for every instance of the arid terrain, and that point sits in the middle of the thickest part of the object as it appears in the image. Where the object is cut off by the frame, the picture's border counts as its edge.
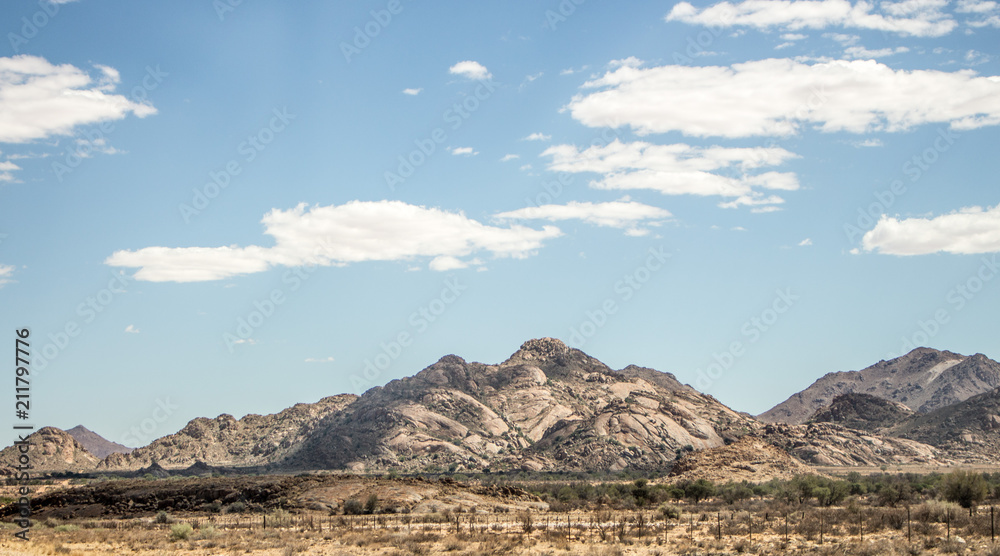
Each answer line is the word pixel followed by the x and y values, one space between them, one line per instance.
pixel 548 452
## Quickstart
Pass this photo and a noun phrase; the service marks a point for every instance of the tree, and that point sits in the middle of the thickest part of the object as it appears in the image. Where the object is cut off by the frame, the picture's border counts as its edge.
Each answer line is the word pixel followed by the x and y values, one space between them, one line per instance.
pixel 699 490
pixel 965 488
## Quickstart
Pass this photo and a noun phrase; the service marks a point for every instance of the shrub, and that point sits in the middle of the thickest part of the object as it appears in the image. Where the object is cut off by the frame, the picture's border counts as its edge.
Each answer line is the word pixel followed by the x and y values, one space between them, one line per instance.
pixel 670 511
pixel 235 508
pixel 180 531
pixel 163 517
pixel 353 507
pixel 965 488
pixel 371 505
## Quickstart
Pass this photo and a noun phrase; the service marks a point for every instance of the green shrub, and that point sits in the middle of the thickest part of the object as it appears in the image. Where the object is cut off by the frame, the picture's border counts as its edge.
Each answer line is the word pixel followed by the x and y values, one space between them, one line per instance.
pixel 180 531
pixel 163 517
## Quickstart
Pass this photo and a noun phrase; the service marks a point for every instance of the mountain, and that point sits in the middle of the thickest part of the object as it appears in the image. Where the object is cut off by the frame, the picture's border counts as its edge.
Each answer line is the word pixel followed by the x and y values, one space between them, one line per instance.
pixel 51 449
pixel 95 443
pixel 924 379
pixel 254 440
pixel 862 412
pixel 969 430
pixel 546 407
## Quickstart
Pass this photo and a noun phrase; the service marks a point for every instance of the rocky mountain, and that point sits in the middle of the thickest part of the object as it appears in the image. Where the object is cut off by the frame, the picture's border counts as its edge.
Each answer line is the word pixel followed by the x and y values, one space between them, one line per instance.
pixel 254 440
pixel 95 443
pixel 924 380
pixel 863 412
pixel 51 449
pixel 969 430
pixel 546 407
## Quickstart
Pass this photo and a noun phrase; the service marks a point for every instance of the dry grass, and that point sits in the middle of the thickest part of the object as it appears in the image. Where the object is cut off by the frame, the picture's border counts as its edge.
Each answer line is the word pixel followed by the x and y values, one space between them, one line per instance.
pixel 592 534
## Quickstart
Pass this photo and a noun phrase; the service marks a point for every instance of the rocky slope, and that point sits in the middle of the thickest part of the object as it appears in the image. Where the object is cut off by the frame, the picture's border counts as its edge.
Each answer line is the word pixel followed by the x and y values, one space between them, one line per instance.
pixel 828 444
pixel 862 412
pixel 95 443
pixel 254 440
pixel 968 430
pixel 751 459
pixel 924 380
pixel 51 449
pixel 546 407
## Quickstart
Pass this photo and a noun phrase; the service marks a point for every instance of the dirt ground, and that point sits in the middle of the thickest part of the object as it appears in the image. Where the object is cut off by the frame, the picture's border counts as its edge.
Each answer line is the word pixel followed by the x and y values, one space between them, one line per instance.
pixel 543 533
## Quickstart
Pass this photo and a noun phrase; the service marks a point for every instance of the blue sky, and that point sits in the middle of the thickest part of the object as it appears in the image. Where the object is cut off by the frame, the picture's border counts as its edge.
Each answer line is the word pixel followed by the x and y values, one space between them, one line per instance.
pixel 222 207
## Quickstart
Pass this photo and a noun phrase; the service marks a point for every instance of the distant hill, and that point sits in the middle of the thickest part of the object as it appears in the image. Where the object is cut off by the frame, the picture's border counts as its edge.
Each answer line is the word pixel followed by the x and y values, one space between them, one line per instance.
pixel 862 412
pixel 969 429
pixel 51 449
pixel 924 380
pixel 95 443
pixel 254 440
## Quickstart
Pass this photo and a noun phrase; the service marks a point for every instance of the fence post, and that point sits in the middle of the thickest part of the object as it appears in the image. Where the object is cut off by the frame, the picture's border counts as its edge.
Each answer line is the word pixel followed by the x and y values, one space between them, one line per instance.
pixel 908 524
pixel 719 516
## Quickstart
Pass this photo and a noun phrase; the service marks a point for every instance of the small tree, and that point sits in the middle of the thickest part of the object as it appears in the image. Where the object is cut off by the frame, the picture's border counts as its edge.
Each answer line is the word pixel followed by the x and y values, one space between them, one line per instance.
pixel 965 488
pixel 699 490
pixel 371 505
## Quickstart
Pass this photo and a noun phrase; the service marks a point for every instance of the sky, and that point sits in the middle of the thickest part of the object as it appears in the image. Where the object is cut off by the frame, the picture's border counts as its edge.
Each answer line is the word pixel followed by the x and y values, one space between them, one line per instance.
pixel 234 206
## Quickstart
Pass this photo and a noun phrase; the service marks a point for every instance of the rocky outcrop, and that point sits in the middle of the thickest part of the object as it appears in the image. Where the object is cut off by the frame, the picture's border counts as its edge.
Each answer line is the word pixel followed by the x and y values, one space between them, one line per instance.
pixel 828 444
pixel 254 440
pixel 924 380
pixel 50 449
pixel 752 459
pixel 863 412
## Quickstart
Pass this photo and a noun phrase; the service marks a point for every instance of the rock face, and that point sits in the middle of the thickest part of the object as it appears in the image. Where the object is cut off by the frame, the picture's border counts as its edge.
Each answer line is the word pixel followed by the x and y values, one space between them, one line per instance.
pixel 254 440
pixel 968 430
pixel 51 449
pixel 545 407
pixel 751 459
pixel 828 444
pixel 862 412
pixel 95 443
pixel 924 380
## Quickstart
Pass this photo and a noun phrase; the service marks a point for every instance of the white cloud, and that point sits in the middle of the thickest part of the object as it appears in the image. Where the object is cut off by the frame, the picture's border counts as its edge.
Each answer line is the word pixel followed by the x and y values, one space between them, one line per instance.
pixel 680 169
pixel 509 157
pixel 860 52
pixel 617 214
pixel 338 235
pixel 537 137
pixel 843 39
pixel 470 70
pixel 976 6
pixel 805 242
pixel 784 45
pixel 780 96
pixel 467 151
pixel 975 57
pixel 525 167
pixel 319 360
pixel 793 37
pixel 922 18
pixel 967 231
pixel 6 271
pixel 131 329
pixel 444 263
pixel 40 100
pixel 6 168
pixel 412 92
pixel 868 143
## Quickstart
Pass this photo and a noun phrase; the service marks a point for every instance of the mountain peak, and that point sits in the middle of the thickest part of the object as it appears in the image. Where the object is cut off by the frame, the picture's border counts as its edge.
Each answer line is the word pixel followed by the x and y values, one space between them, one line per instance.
pixel 539 349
